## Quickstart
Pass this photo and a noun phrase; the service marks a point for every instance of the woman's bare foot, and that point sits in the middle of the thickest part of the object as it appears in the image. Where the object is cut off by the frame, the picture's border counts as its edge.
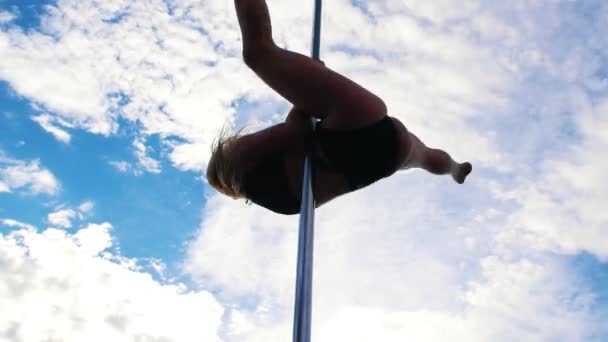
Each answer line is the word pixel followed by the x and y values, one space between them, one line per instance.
pixel 461 173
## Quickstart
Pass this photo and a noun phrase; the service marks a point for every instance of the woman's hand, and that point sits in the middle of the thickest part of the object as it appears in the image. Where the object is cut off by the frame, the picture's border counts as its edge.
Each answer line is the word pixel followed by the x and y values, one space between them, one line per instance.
pixel 299 124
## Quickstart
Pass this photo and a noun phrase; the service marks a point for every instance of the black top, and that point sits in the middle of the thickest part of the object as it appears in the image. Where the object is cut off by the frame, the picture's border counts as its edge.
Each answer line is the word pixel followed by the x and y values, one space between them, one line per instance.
pixel 267 185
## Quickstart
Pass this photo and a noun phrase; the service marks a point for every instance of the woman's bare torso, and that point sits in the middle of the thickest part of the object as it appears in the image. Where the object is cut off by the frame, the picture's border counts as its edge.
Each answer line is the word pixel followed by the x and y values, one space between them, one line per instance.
pixel 328 185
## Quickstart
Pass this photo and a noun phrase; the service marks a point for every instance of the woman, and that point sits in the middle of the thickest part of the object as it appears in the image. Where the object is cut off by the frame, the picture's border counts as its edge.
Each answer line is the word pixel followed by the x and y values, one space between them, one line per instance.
pixel 355 143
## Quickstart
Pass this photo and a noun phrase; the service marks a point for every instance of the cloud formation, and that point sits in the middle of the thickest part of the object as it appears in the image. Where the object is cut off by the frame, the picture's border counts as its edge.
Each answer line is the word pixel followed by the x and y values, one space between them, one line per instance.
pixel 26 175
pixel 517 88
pixel 388 278
pixel 16 224
pixel 6 17
pixel 136 62
pixel 72 287
pixel 45 121
pixel 561 208
pixel 502 85
pixel 62 218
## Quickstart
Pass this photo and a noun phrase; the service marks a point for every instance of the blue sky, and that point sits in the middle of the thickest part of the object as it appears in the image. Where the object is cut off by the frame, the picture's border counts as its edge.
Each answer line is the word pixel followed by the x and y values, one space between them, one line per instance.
pixel 108 229
pixel 154 213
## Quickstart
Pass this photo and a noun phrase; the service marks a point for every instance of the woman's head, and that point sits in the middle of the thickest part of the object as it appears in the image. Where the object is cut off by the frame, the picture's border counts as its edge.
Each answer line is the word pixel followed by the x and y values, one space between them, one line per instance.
pixel 240 174
pixel 223 171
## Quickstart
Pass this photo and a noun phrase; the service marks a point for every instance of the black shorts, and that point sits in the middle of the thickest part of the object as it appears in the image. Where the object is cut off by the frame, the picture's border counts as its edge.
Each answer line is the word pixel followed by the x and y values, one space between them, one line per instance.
pixel 363 155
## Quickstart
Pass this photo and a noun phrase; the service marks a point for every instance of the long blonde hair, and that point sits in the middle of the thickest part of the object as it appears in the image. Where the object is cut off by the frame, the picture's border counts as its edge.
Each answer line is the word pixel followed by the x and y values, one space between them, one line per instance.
pixel 223 171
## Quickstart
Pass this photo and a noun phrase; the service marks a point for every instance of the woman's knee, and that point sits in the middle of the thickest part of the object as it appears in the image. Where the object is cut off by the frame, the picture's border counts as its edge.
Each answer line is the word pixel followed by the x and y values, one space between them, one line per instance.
pixel 366 106
pixel 255 55
pixel 355 113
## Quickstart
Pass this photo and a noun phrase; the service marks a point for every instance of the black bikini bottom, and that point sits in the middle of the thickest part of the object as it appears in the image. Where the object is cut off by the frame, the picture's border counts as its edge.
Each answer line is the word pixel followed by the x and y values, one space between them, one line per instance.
pixel 363 155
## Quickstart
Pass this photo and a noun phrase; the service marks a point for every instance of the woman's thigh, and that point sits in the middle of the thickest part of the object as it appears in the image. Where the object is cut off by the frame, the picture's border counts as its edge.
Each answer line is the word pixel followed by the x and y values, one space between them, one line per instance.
pixel 318 90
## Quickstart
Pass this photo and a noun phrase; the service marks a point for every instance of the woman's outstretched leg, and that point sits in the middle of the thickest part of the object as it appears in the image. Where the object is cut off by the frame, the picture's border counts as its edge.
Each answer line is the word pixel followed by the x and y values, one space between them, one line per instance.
pixel 437 161
pixel 305 83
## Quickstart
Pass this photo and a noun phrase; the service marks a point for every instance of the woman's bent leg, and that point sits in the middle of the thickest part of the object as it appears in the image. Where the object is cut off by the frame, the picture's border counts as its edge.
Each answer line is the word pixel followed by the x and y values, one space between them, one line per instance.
pixel 309 85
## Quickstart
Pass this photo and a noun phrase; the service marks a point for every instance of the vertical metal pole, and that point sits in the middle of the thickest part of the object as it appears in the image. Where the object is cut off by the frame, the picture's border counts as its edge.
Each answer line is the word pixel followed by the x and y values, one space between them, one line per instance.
pixel 303 302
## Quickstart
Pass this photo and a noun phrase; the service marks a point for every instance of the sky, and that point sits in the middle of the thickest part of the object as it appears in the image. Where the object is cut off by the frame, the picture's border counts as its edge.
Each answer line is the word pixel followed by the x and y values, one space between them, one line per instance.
pixel 109 231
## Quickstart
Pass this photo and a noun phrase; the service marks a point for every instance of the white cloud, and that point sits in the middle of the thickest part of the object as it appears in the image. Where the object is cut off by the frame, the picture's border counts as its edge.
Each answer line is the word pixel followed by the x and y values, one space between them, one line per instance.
pixel 94 239
pixel 95 71
pixel 562 207
pixel 417 258
pixel 86 207
pixel 62 218
pixel 159 267
pixel 493 82
pixel 57 287
pixel 17 175
pixel 6 17
pixel 190 157
pixel 45 121
pixel 500 308
pixel 17 224
pixel 145 162
pixel 387 277
pixel 121 166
